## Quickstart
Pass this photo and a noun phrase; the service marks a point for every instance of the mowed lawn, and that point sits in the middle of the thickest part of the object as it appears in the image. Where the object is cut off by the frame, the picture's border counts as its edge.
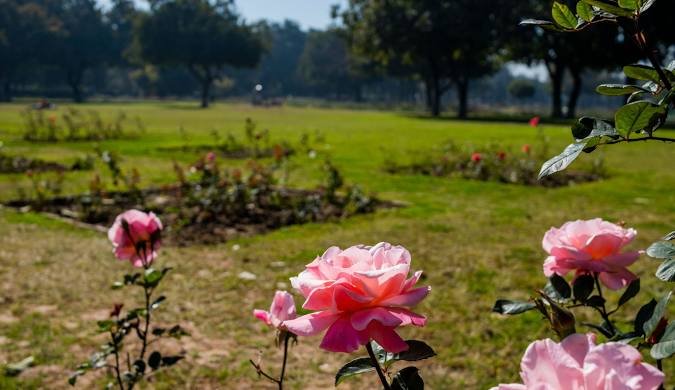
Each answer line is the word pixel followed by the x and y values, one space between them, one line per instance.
pixel 475 241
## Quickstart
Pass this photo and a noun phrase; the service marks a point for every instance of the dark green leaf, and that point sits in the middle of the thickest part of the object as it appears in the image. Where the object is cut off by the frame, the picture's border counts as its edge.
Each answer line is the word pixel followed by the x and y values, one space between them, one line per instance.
pixel 139 366
pixel 636 116
pixel 154 360
pixel 408 379
pixel 595 301
pixel 177 332
pixel 545 24
pixel 171 360
pixel 117 285
pixel 600 328
pixel 644 314
pixel 152 277
pixel 642 72
pixel 158 331
pixel 564 16
pixel 646 5
pixel 619 89
pixel 585 11
pixel 72 379
pixel 105 325
pixel 355 367
pixel 666 271
pixel 632 5
pixel 560 285
pixel 505 306
pixel 661 250
pixel 670 236
pixel 659 311
pixel 631 291
pixel 157 302
pixel 417 350
pixel 563 160
pixel 583 287
pixel 608 7
pixel 665 348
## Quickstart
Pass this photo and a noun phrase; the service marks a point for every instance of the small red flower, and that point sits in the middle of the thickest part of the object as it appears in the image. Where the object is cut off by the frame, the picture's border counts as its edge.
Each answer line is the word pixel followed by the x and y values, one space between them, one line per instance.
pixel 501 155
pixel 117 308
pixel 476 157
pixel 534 122
pixel 526 149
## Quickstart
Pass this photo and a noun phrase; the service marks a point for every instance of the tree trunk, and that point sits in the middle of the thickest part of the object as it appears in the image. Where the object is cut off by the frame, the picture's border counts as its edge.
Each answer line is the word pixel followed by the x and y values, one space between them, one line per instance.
pixel 77 93
pixel 463 98
pixel 574 94
pixel 206 92
pixel 434 96
pixel 6 92
pixel 74 81
pixel 557 77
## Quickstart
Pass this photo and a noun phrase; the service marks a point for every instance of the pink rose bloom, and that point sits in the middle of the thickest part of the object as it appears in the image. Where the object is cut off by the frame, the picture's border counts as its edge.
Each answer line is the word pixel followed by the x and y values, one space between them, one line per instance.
pixel 361 293
pixel 534 122
pixel 282 309
pixel 135 236
pixel 578 364
pixel 476 157
pixel 591 246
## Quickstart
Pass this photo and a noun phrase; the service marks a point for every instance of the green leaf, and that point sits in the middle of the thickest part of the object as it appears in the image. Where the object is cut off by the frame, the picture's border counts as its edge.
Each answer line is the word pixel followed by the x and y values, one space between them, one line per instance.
pixel 355 367
pixel 619 89
pixel 643 315
pixel 631 291
pixel 585 11
pixel 589 129
pixel 632 5
pixel 647 5
pixel 545 24
pixel 659 311
pixel 642 72
pixel 72 379
pixel 171 360
pixel 661 250
pixel 636 116
pixel 595 301
pixel 608 7
pixel 408 379
pixel 105 325
pixel 157 302
pixel 665 348
pixel 666 271
pixel 582 287
pixel 152 277
pixel 14 369
pixel 670 236
pixel 563 160
pixel 564 16
pixel 560 285
pixel 505 306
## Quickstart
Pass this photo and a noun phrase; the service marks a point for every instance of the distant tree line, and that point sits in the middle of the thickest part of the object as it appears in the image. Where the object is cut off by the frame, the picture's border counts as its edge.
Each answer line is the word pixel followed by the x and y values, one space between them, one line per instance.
pixel 393 50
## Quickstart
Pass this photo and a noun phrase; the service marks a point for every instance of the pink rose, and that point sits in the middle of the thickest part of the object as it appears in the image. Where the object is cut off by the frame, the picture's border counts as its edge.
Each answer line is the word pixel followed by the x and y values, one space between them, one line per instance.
pixel 135 236
pixel 592 246
pixel 534 122
pixel 282 309
pixel 577 363
pixel 476 157
pixel 360 294
pixel 526 149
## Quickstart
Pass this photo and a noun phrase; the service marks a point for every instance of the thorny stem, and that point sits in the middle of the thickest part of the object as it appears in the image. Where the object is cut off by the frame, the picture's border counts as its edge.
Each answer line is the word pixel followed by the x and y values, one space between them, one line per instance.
pixel 376 364
pixel 662 139
pixel 603 310
pixel 117 361
pixel 283 365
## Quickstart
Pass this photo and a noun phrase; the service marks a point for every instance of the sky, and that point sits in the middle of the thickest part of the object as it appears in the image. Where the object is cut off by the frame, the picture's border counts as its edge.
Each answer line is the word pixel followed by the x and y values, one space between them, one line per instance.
pixel 309 13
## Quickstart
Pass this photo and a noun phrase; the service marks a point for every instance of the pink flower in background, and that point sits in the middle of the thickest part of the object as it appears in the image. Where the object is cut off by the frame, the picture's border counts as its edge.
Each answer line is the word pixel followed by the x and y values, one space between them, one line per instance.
pixel 360 293
pixel 577 363
pixel 526 149
pixel 282 309
pixel 476 157
pixel 210 157
pixel 592 246
pixel 534 122
pixel 135 236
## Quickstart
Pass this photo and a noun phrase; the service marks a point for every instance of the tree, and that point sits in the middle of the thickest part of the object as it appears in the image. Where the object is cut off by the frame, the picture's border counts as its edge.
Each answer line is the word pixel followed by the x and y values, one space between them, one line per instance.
pixel 521 88
pixel 25 33
pixel 441 42
pixel 83 42
pixel 199 35
pixel 601 49
pixel 327 65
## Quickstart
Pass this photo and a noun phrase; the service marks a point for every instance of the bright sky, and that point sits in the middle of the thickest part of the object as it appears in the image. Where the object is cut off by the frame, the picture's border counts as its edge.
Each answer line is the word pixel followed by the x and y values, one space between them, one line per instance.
pixel 309 13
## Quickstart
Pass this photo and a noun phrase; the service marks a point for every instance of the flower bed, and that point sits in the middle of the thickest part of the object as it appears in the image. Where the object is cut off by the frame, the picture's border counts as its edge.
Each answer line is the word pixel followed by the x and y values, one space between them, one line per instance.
pixel 218 206
pixel 494 163
pixel 21 164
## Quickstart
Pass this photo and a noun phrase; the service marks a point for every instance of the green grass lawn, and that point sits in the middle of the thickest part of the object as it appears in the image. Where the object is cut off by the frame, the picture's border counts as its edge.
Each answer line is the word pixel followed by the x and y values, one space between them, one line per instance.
pixel 476 242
